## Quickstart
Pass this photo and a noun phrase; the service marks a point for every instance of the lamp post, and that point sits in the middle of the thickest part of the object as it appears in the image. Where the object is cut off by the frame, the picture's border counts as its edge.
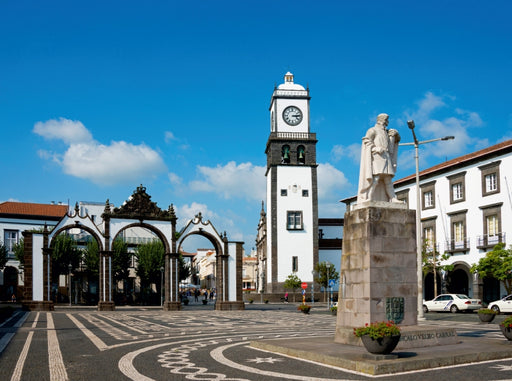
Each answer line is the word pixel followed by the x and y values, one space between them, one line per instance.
pixel 327 265
pixel 416 144
pixel 70 267
pixel 313 287
pixel 162 286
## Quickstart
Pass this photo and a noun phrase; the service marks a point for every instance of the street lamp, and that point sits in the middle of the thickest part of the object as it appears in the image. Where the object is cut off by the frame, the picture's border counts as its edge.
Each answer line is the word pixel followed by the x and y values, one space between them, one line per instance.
pixel 327 265
pixel 419 271
pixel 162 286
pixel 313 287
pixel 70 267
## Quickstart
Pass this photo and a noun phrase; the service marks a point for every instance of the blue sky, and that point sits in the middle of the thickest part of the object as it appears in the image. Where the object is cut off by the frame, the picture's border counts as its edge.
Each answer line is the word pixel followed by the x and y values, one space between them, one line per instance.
pixel 98 97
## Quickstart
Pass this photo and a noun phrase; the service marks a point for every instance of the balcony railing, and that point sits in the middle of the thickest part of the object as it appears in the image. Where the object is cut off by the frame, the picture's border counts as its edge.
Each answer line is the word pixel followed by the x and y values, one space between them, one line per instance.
pixel 293 135
pixel 456 246
pixel 486 241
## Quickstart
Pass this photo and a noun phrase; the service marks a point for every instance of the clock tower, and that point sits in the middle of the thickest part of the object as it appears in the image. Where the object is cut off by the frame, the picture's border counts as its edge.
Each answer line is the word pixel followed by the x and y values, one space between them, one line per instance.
pixel 292 201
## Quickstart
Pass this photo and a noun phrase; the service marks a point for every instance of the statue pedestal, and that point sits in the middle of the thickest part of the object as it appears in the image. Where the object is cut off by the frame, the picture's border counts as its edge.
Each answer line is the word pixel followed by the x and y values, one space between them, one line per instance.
pixel 172 306
pixel 378 268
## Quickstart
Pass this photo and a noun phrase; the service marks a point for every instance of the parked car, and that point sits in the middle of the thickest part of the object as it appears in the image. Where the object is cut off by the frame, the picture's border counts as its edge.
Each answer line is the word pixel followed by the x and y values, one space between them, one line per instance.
pixel 502 305
pixel 453 303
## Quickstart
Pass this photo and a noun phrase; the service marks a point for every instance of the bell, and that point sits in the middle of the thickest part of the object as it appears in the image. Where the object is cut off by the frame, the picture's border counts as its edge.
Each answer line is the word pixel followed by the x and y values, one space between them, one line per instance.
pixel 301 154
pixel 286 154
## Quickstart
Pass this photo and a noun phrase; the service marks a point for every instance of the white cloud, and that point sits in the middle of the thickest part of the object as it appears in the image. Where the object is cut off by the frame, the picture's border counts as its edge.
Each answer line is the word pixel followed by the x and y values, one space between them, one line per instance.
pixel 119 162
pixel 175 179
pixel 437 117
pixel 244 180
pixel 69 131
pixel 353 152
pixel 331 182
pixel 169 136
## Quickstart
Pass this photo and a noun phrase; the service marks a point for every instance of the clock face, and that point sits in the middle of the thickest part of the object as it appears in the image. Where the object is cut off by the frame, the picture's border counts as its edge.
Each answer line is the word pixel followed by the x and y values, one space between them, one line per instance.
pixel 292 115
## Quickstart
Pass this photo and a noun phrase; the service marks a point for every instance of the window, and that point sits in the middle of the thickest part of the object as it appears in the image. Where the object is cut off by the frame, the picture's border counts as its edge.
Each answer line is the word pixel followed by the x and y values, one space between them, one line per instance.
pixel 490 178
pixel 305 193
pixel 457 192
pixel 294 219
pixel 403 196
pixel 458 232
pixel 10 239
pixel 428 201
pixel 457 187
pixel 459 241
pixel 428 198
pixel 284 192
pixel 491 183
pixel 295 264
pixel 492 225
pixel 429 233
pixel 491 234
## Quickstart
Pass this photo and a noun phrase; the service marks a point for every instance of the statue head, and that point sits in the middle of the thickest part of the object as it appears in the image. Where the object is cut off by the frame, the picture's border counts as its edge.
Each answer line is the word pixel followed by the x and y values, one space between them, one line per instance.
pixel 383 119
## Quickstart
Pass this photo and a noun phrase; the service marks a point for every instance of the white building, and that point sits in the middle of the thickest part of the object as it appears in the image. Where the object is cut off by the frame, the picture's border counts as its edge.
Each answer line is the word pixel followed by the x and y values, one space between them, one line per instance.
pixel 466 209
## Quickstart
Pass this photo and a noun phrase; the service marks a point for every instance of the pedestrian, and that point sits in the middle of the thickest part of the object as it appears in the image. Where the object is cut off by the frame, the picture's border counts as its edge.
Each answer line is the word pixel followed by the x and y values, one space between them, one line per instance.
pixel 286 297
pixel 13 298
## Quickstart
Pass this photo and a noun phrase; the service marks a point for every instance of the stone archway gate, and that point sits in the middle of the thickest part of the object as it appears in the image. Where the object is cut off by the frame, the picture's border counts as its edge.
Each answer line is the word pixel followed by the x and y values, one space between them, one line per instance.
pixel 137 211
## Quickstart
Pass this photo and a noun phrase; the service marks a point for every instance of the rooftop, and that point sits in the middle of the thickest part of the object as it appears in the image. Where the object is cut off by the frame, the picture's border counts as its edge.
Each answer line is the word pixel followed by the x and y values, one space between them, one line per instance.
pixel 32 210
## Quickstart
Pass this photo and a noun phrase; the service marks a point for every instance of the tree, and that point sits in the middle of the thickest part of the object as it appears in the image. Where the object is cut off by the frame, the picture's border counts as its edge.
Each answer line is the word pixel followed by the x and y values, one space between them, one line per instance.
pixel 150 257
pixel 293 282
pixel 432 260
pixel 323 275
pixel 19 251
pixel 496 264
pixel 3 255
pixel 121 260
pixel 65 252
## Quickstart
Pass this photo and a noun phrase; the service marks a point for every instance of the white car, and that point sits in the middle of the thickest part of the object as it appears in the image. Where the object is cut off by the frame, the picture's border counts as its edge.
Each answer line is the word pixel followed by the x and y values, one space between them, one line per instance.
pixel 453 303
pixel 502 305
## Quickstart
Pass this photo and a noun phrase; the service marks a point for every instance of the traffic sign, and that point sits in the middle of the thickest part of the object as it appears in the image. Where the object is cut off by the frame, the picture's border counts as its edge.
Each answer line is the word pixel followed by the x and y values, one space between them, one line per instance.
pixel 331 282
pixel 304 285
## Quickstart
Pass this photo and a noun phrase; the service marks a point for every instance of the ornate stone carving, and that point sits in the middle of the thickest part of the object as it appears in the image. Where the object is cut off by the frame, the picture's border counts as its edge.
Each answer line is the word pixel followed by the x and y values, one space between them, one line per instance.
pixel 139 206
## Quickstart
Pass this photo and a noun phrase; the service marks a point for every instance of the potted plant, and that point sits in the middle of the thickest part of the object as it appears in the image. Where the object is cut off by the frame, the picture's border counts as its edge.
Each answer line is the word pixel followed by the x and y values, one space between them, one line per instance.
pixel 334 310
pixel 379 337
pixel 305 308
pixel 486 315
pixel 506 328
pixel 251 301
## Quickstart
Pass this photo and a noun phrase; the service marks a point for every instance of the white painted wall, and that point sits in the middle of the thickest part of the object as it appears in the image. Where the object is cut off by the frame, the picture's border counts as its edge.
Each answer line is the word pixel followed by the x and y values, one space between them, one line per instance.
pixel 294 242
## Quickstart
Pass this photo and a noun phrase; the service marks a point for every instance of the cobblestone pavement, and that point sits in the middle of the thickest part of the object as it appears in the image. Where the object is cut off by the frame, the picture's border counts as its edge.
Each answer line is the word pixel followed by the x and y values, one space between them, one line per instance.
pixel 188 345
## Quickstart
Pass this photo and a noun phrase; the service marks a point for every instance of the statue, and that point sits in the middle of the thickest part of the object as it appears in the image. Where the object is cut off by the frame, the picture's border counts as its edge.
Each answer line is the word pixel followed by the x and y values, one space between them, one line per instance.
pixel 378 162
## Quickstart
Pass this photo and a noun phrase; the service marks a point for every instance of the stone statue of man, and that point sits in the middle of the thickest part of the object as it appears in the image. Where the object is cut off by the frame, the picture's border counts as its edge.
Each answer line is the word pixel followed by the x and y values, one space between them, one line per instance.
pixel 378 162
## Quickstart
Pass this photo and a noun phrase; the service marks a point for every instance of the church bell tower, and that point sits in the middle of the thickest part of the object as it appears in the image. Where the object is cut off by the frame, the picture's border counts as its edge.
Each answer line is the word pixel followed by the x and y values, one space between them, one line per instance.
pixel 292 201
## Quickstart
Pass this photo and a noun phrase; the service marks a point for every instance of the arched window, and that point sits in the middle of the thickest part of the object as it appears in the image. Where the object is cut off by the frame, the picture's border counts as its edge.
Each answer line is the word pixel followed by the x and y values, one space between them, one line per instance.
pixel 285 154
pixel 301 155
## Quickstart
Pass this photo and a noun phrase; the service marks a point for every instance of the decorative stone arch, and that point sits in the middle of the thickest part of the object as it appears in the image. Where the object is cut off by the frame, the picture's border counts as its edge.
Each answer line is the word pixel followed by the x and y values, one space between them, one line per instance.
pixel 228 263
pixel 137 211
pixel 38 248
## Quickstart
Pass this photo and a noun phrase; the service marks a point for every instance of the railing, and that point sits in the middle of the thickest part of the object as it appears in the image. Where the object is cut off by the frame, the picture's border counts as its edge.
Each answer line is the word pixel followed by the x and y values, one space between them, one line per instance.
pixel 454 245
pixel 485 241
pixel 292 135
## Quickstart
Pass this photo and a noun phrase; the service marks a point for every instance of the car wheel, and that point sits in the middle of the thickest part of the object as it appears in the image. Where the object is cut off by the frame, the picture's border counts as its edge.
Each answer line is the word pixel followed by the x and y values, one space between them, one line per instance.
pixel 495 309
pixel 454 309
pixel 425 309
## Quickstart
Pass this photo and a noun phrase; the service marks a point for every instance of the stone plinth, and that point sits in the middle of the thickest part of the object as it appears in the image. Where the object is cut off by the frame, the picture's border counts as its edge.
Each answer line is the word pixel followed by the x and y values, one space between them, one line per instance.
pixel 378 263
pixel 33 305
pixel 172 306
pixel 229 306
pixel 106 306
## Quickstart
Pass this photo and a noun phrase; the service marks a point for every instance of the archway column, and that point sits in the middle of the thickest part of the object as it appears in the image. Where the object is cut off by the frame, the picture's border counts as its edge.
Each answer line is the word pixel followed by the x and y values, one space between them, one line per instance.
pixel 172 300
pixel 106 300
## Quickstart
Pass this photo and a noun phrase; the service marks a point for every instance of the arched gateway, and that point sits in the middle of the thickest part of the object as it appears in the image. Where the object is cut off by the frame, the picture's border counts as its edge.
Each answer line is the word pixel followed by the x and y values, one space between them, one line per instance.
pixel 138 211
